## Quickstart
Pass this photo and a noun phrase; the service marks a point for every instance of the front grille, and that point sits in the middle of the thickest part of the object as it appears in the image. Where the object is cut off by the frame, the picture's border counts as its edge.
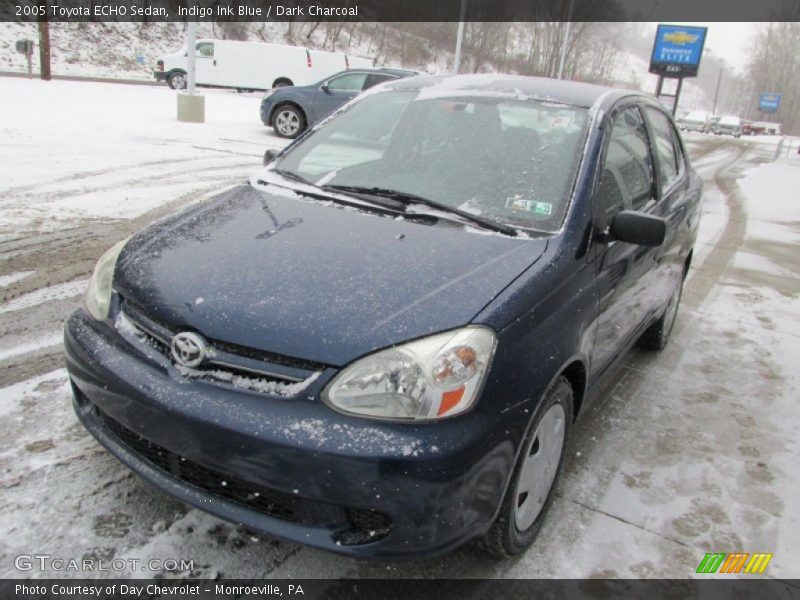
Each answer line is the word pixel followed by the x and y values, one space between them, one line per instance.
pixel 227 364
pixel 359 526
pixel 165 332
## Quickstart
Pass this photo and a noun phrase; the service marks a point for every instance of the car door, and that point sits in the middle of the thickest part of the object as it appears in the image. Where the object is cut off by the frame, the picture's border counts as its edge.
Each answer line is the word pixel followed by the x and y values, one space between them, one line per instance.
pixel 675 204
pixel 625 272
pixel 206 64
pixel 336 91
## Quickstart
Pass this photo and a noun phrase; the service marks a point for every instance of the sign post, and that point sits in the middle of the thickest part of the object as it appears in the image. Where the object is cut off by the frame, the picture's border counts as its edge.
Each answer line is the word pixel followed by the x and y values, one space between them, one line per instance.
pixel 26 47
pixel 677 52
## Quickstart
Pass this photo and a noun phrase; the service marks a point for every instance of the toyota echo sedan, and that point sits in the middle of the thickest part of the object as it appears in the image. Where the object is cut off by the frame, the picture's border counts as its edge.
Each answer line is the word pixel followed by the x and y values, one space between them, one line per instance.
pixel 378 346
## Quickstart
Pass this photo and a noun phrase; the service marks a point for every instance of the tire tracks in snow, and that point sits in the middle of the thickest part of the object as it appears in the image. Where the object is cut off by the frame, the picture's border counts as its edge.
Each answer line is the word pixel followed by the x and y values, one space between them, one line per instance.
pixel 56 258
pixel 707 274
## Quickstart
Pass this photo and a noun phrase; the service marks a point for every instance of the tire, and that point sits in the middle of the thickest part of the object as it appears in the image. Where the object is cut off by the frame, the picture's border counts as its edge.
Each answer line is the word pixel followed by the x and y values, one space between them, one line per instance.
pixel 657 335
pixel 527 499
pixel 177 80
pixel 288 121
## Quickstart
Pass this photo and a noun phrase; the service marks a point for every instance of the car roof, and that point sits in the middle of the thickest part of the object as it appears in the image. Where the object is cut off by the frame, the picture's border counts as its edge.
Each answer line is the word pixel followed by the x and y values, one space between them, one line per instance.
pixel 572 93
pixel 377 71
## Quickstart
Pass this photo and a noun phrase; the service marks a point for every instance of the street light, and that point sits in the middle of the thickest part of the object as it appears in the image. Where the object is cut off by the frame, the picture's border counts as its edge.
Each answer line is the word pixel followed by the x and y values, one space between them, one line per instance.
pixel 565 42
pixel 459 37
pixel 716 92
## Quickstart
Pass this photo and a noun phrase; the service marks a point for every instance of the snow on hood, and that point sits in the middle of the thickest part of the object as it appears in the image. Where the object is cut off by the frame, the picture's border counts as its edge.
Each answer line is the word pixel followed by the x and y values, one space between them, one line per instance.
pixel 312 280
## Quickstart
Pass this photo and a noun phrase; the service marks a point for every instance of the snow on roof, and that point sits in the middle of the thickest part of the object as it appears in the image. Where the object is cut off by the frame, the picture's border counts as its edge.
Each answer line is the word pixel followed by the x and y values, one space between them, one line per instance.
pixel 573 93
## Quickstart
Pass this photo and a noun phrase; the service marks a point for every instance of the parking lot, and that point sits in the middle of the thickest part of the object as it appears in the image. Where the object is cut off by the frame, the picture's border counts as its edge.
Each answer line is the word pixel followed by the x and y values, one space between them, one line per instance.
pixel 690 451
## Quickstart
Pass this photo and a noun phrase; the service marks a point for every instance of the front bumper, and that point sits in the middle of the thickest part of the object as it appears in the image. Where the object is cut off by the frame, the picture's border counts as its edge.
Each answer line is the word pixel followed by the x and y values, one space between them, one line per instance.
pixel 292 467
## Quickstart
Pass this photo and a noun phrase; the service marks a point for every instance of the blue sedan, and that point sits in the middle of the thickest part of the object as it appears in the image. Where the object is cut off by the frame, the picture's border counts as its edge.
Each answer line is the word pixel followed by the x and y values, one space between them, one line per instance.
pixel 290 110
pixel 379 346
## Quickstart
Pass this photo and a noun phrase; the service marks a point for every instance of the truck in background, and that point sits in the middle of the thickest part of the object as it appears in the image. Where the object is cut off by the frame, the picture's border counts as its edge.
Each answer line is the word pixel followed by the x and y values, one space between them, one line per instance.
pixel 694 121
pixel 253 65
pixel 728 125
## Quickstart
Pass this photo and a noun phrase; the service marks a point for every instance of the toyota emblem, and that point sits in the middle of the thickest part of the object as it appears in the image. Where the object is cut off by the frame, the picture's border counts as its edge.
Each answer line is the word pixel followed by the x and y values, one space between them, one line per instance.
pixel 188 349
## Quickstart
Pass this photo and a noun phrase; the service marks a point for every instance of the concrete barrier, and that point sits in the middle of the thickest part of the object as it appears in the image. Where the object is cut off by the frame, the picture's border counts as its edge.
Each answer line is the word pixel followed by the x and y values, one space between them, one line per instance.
pixel 191 108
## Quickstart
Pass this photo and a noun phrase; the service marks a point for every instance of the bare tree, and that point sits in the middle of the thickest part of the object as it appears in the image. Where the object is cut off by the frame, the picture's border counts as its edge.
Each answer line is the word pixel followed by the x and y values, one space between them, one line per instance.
pixel 774 64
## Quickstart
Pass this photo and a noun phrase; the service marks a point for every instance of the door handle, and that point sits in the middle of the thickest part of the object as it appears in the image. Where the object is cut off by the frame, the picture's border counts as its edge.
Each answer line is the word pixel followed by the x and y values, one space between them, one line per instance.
pixel 215 62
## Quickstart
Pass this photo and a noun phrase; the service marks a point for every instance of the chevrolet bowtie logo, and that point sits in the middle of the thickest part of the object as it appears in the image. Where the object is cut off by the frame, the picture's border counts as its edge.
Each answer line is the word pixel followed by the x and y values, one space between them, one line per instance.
pixel 680 38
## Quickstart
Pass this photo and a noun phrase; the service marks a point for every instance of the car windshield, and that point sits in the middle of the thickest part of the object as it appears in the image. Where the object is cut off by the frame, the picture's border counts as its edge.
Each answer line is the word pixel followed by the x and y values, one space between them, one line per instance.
pixel 508 160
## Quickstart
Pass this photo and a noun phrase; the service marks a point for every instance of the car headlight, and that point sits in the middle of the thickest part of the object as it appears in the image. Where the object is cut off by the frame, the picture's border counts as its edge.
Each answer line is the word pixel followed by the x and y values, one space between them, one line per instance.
pixel 431 378
pixel 98 295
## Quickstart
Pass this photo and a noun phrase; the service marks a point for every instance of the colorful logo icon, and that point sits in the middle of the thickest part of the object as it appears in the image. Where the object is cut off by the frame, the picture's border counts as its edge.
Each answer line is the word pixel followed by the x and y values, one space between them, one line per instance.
pixel 735 562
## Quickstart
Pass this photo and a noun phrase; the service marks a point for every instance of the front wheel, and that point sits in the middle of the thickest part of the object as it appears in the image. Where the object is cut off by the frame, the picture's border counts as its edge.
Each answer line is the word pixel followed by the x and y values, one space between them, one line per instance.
pixel 288 121
pixel 177 81
pixel 529 493
pixel 657 335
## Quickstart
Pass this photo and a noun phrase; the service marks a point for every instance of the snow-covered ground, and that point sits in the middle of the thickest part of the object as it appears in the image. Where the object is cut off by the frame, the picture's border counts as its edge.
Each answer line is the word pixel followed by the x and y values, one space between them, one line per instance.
pixel 99 151
pixel 690 451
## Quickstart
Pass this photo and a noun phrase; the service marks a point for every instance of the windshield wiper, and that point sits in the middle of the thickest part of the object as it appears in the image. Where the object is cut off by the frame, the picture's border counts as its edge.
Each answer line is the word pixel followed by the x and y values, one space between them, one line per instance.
pixel 367 195
pixel 390 204
pixel 406 198
pixel 292 175
pixel 383 205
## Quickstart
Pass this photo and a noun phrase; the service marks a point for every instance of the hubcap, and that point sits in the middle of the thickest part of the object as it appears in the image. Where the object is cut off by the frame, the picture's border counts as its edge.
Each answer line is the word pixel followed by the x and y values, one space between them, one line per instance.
pixel 287 122
pixel 178 82
pixel 539 467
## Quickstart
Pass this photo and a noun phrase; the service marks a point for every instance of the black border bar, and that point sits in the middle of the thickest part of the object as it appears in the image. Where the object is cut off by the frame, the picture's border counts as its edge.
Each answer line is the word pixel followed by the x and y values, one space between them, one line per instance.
pixel 391 589
pixel 398 10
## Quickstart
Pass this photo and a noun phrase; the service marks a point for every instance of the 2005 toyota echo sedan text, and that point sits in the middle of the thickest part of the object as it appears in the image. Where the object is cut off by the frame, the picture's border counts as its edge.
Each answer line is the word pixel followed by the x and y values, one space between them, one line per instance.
pixel 378 347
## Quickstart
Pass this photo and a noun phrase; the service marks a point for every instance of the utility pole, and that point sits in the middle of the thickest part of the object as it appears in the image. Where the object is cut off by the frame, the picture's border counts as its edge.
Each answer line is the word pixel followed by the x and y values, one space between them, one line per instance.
pixel 191 56
pixel 459 37
pixel 191 106
pixel 716 92
pixel 44 45
pixel 565 42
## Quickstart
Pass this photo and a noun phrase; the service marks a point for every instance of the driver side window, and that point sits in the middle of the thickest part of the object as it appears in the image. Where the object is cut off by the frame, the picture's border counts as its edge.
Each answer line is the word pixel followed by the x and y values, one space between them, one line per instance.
pixel 627 178
pixel 351 82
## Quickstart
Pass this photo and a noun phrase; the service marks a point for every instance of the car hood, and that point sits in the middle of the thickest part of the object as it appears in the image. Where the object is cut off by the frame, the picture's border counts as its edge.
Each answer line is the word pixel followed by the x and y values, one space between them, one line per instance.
pixel 313 280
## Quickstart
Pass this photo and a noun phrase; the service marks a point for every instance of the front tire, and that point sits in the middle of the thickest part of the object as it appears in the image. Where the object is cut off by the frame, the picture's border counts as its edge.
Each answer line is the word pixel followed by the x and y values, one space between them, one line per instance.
pixel 529 493
pixel 177 81
pixel 288 121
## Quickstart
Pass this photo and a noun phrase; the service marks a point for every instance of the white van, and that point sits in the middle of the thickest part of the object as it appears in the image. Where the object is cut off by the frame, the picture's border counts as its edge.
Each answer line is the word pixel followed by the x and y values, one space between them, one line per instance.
pixel 253 65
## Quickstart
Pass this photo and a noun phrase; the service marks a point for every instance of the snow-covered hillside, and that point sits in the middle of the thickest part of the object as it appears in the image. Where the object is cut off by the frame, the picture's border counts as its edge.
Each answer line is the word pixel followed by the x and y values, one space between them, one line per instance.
pixel 130 51
pixel 112 49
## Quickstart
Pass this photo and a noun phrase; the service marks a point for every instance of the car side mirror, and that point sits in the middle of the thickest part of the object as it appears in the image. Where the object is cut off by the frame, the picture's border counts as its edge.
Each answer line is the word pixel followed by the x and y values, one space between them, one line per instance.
pixel 324 87
pixel 269 156
pixel 638 228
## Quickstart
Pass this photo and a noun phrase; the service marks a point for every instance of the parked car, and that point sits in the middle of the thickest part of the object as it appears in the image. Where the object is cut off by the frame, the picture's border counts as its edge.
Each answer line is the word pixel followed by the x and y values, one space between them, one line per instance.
pixel 378 347
pixel 290 111
pixel 694 121
pixel 253 65
pixel 711 123
pixel 728 125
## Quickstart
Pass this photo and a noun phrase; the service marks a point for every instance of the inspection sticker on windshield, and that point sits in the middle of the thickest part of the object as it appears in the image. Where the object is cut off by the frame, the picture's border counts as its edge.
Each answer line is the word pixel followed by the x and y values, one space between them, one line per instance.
pixel 544 209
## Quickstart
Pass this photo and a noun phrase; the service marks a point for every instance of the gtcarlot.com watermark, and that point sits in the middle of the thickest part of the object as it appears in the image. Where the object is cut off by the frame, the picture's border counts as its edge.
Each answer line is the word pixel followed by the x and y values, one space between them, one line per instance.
pixel 48 562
